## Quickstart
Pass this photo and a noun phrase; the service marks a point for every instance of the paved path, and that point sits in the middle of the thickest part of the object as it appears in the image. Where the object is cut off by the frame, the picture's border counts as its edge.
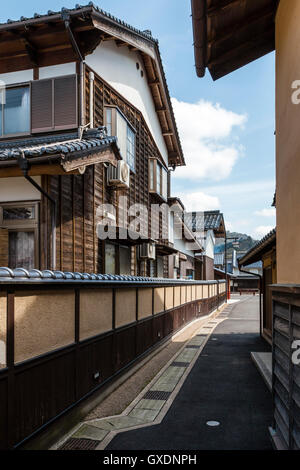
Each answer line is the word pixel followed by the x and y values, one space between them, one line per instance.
pixel 224 386
pixel 211 378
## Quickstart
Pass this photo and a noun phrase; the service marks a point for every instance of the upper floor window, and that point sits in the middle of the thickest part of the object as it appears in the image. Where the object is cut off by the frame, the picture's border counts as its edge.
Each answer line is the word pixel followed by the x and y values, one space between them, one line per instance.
pixel 15 111
pixel 39 106
pixel 117 125
pixel 158 178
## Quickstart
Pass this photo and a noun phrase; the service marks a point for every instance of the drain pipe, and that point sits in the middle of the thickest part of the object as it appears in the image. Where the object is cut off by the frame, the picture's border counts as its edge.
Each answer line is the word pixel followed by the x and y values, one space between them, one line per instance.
pixel 92 80
pixel 25 166
pixel 260 296
pixel 67 20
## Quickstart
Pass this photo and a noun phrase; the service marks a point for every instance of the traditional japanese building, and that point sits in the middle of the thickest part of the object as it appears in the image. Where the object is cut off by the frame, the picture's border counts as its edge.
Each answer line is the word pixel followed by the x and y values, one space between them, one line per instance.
pixel 264 251
pixel 228 35
pixel 87 132
pixel 206 226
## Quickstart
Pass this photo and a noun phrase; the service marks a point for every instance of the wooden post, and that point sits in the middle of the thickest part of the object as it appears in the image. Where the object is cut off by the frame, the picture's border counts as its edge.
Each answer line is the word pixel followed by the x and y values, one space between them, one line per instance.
pixel 10 361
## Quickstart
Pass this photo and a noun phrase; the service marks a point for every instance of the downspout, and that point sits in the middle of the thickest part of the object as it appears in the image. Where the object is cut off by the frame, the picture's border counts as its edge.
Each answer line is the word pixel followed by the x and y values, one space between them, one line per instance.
pixel 25 166
pixel 226 277
pixel 67 20
pixel 260 296
pixel 92 80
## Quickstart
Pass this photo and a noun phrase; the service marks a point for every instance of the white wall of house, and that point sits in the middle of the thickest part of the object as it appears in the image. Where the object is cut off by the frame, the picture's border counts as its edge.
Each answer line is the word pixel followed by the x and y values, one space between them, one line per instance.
pixel 57 70
pixel 16 77
pixel 18 189
pixel 209 244
pixel 44 72
pixel 117 66
pixel 180 245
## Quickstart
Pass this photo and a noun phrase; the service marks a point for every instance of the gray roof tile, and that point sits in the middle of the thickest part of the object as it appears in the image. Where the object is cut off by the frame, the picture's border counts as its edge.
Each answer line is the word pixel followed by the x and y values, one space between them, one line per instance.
pixel 53 144
pixel 207 220
pixel 146 33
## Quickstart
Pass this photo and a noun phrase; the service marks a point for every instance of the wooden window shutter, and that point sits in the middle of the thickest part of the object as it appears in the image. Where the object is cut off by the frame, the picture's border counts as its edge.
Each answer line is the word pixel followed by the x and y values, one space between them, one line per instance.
pixel 3 247
pixel 54 104
pixel 42 105
pixel 65 102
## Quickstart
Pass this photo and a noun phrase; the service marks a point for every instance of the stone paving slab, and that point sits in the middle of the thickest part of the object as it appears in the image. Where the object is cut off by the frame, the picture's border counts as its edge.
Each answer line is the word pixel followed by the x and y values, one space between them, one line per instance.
pixel 117 422
pixel 150 404
pixel 90 432
pixel 144 415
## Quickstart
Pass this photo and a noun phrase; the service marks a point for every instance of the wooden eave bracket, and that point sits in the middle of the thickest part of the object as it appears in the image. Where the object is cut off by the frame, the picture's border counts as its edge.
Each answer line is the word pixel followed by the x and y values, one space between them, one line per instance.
pixel 80 162
pixel 117 34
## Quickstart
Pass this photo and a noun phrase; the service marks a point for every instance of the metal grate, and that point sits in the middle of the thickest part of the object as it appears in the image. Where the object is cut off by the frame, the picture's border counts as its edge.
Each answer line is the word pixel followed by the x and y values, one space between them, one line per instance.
pixel 179 364
pixel 79 444
pixel 192 346
pixel 156 395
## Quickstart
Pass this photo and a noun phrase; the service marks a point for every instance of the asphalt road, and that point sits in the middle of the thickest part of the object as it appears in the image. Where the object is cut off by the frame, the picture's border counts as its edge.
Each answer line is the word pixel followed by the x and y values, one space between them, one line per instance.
pixel 224 386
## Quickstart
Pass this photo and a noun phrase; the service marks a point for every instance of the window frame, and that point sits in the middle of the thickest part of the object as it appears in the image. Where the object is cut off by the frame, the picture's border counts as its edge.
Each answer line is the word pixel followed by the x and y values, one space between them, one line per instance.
pixel 24 225
pixel 158 169
pixel 114 111
pixel 55 128
pixel 17 134
pixel 52 129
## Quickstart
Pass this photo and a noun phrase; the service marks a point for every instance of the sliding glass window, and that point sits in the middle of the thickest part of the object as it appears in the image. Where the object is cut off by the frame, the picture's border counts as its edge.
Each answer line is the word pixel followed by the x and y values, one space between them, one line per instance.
pixel 15 111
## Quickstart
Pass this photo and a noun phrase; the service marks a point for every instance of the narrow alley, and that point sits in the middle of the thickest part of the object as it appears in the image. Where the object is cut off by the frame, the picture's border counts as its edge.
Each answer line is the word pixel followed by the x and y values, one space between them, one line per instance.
pixel 224 386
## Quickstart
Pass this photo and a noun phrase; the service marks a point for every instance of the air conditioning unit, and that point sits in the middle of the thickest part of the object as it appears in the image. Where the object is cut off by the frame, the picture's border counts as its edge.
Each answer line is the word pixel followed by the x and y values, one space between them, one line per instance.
pixel 147 251
pixel 119 176
pixel 176 260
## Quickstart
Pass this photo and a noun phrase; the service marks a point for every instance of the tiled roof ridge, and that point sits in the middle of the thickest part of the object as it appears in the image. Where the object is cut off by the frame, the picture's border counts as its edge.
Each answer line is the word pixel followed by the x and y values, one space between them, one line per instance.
pixel 63 143
pixel 92 5
pixel 35 274
pixel 263 240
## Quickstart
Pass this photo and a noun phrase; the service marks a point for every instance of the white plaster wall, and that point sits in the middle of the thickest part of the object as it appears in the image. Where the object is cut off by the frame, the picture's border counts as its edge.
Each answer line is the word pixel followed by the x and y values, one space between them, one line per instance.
pixel 180 245
pixel 117 66
pixel 16 77
pixel 57 70
pixel 18 189
pixel 210 244
pixel 44 72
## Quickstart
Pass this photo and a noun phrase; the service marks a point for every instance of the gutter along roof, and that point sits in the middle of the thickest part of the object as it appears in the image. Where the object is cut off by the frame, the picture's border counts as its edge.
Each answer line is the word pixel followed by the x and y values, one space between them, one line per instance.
pixel 43 40
pixel 229 34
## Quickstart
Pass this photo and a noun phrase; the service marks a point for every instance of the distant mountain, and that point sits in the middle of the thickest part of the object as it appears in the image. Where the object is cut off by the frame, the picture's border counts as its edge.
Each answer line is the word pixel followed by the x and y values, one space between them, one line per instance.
pixel 245 242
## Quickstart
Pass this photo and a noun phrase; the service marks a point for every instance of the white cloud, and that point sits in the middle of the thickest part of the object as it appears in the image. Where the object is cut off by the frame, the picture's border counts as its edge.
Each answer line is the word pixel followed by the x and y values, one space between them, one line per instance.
pixel 271 212
pixel 202 128
pixel 262 230
pixel 198 201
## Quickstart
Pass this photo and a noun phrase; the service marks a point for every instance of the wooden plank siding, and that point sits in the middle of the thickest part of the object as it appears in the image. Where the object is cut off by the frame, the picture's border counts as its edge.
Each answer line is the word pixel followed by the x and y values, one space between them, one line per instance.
pixel 79 196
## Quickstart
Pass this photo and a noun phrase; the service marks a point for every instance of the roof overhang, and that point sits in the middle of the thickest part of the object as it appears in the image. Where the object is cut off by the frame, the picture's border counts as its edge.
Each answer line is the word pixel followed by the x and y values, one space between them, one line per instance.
pixel 165 249
pixel 257 251
pixel 223 275
pixel 45 40
pixel 229 34
pixel 62 164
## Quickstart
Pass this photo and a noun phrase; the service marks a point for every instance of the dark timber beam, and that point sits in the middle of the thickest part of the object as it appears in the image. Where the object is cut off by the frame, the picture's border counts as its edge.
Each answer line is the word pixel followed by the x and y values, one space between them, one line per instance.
pixel 260 18
pixel 214 10
pixel 31 50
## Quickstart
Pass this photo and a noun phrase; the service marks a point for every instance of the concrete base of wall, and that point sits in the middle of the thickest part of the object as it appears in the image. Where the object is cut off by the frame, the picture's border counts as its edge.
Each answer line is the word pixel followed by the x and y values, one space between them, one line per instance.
pixel 263 362
pixel 277 442
pixel 64 424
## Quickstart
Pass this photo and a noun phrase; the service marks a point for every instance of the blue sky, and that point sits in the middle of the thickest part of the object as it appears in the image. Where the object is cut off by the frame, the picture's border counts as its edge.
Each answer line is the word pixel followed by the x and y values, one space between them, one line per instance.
pixel 230 147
